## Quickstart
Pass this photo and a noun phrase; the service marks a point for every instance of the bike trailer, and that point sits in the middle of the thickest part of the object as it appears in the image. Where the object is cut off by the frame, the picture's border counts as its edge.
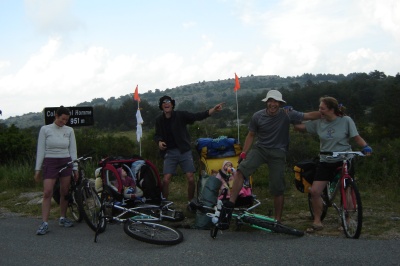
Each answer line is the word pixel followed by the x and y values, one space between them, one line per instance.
pixel 143 172
pixel 208 187
pixel 304 173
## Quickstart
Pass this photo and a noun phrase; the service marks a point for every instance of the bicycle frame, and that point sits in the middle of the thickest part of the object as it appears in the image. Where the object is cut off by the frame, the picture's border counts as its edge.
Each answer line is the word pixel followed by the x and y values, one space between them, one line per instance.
pixel 351 216
pixel 74 184
pixel 342 181
pixel 138 214
pixel 245 216
pixel 142 221
pixel 246 213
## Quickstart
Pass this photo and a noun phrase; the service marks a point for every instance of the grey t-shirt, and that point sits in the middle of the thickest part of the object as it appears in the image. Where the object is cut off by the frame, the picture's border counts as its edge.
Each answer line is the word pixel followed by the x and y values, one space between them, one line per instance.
pixel 273 131
pixel 333 135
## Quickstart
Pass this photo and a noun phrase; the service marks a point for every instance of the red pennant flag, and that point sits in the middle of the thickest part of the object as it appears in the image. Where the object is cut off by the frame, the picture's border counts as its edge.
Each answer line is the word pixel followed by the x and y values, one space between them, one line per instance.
pixel 237 84
pixel 136 95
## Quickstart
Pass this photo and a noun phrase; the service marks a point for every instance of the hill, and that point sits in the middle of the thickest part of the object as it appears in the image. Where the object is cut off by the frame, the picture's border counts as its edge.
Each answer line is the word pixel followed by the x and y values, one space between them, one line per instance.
pixel 208 92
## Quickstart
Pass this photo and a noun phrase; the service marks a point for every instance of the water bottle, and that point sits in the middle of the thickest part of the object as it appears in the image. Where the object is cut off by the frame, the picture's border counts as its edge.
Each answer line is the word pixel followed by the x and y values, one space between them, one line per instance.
pixel 333 184
pixel 215 218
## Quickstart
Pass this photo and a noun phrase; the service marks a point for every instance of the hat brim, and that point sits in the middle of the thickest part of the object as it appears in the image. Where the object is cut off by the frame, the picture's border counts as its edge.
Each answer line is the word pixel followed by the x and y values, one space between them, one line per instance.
pixel 276 99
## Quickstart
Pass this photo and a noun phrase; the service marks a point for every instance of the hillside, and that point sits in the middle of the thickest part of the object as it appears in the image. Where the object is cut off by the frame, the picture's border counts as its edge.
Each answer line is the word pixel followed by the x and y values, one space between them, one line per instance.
pixel 208 92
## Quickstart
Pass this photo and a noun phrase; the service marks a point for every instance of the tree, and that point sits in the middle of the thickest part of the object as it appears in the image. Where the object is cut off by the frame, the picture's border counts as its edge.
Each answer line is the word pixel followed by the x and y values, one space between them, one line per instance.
pixel 386 112
pixel 16 144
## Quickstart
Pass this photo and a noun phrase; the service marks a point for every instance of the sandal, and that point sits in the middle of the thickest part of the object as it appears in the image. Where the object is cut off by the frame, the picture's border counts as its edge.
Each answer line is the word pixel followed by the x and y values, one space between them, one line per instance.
pixel 314 228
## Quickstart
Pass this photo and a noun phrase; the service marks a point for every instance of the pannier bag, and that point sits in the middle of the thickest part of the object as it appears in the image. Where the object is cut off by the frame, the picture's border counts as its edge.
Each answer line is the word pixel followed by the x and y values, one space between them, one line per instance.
pixel 218 148
pixel 304 173
pixel 208 196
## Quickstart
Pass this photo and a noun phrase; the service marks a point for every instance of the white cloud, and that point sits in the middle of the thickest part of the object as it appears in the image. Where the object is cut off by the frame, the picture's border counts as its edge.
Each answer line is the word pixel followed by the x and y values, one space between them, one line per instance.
pixel 50 16
pixel 285 38
pixel 386 13
pixel 189 24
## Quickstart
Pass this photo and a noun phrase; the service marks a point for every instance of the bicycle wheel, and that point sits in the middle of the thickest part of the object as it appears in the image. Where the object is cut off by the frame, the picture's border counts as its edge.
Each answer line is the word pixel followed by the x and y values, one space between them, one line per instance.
pixel 214 231
pixel 272 226
pixel 351 210
pixel 90 206
pixel 73 207
pixel 325 199
pixel 152 233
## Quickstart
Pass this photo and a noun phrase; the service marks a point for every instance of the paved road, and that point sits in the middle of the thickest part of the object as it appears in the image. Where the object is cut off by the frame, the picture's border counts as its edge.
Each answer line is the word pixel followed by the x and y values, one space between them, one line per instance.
pixel 65 246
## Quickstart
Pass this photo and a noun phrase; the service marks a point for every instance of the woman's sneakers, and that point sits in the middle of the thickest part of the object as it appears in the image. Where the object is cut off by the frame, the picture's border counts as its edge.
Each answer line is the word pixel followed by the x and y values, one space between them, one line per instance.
pixel 63 221
pixel 43 228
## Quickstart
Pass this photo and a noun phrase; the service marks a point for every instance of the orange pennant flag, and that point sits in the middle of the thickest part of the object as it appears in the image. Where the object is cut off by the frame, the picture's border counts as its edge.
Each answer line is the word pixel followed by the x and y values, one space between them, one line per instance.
pixel 237 84
pixel 136 95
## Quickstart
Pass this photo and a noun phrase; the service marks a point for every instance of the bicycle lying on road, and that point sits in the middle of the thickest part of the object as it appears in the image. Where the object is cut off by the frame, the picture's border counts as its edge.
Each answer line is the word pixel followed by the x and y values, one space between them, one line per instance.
pixel 350 207
pixel 140 216
pixel 243 215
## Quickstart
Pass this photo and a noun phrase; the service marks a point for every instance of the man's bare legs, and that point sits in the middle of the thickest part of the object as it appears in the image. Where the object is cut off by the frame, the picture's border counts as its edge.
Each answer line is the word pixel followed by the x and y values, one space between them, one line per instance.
pixel 190 189
pixel 237 186
pixel 191 185
pixel 278 206
pixel 166 181
pixel 238 180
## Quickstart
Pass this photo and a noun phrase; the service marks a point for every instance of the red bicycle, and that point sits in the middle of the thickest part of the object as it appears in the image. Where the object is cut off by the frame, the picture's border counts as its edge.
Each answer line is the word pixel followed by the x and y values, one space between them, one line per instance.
pixel 350 207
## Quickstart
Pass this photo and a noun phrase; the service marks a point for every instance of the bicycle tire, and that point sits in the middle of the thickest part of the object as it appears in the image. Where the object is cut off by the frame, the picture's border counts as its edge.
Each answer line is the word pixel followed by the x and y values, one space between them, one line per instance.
pixel 72 204
pixel 91 207
pixel 214 231
pixel 325 199
pixel 272 226
pixel 351 217
pixel 74 208
pixel 152 233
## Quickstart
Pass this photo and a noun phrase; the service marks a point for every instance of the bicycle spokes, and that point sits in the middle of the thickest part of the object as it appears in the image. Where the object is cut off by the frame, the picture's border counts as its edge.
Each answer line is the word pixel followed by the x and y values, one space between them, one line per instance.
pixel 351 210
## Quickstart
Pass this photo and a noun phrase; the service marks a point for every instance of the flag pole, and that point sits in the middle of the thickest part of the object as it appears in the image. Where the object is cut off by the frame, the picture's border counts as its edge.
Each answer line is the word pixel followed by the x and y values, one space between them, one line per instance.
pixel 140 142
pixel 236 88
pixel 139 120
pixel 237 117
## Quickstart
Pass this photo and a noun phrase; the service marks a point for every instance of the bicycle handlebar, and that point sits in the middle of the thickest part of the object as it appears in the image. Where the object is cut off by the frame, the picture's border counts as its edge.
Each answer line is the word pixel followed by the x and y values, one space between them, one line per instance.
pixel 82 158
pixel 335 154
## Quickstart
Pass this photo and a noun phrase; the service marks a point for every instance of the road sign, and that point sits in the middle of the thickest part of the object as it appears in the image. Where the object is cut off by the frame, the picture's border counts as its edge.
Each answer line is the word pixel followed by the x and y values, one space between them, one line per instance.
pixel 80 116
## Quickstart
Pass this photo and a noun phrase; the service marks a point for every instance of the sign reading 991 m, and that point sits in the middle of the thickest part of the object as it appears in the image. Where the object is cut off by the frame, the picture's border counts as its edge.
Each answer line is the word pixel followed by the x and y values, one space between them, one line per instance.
pixel 80 116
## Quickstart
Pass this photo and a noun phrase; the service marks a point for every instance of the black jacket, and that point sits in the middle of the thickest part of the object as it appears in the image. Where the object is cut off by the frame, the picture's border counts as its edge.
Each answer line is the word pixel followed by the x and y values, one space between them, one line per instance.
pixel 178 120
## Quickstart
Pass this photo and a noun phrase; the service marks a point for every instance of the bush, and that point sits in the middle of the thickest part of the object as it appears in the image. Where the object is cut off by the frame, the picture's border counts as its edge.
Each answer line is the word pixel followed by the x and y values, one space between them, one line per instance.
pixel 16 144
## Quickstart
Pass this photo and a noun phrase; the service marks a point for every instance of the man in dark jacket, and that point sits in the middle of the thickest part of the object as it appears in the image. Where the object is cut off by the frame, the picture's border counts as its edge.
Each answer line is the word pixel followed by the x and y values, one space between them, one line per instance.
pixel 173 140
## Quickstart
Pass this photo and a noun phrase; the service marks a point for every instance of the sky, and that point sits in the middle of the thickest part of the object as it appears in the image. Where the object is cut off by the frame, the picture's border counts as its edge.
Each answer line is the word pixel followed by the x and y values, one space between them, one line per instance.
pixel 65 52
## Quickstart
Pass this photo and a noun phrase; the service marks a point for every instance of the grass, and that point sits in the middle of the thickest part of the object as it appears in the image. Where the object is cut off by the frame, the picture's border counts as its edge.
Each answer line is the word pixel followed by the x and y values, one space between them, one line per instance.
pixel 381 205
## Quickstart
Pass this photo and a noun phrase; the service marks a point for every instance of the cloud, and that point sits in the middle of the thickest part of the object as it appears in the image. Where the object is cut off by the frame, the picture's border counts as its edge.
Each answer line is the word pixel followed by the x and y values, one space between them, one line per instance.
pixel 189 24
pixel 326 36
pixel 284 38
pixel 50 16
pixel 385 13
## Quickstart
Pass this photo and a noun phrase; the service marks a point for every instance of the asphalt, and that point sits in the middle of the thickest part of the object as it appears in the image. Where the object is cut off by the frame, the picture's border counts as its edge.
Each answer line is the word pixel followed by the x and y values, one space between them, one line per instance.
pixel 19 245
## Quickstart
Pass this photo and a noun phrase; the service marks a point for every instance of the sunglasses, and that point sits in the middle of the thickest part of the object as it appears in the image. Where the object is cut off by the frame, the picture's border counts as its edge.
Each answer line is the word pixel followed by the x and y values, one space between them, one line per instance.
pixel 166 101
